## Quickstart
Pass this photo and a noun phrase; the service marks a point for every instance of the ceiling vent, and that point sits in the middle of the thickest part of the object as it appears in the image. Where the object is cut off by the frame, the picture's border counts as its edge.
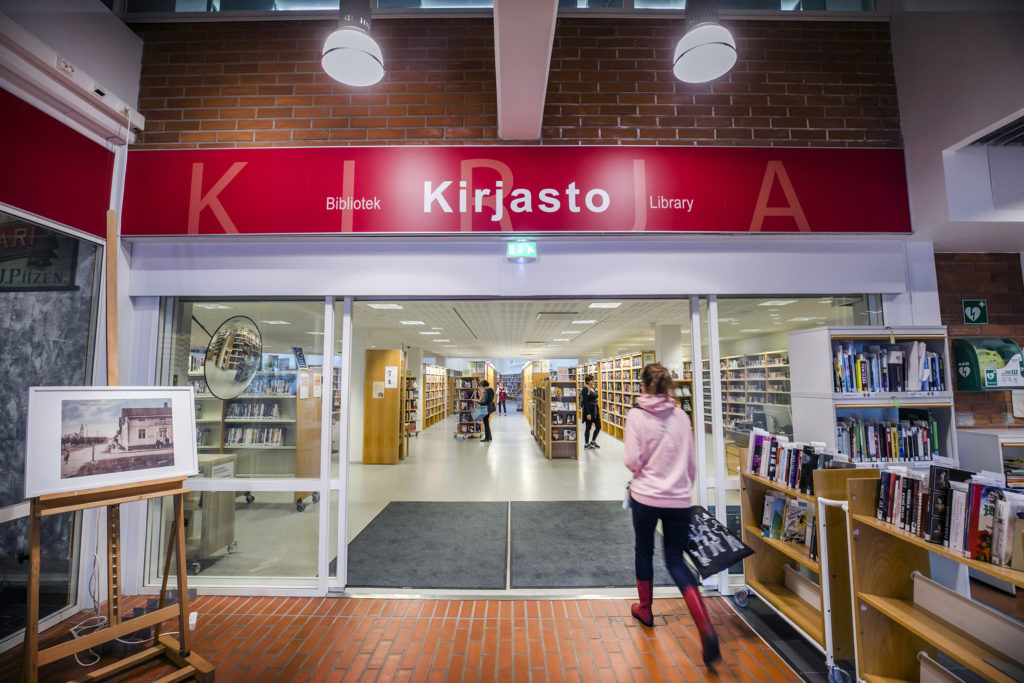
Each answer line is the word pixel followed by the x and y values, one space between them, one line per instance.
pixel 1010 134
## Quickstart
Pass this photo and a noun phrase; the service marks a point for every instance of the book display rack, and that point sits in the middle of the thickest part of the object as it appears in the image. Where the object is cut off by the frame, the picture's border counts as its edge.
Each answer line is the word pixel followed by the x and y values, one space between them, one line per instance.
pixel 780 522
pixel 619 385
pixel 466 394
pixel 531 375
pixel 436 404
pixel 904 619
pixel 879 395
pixel 556 427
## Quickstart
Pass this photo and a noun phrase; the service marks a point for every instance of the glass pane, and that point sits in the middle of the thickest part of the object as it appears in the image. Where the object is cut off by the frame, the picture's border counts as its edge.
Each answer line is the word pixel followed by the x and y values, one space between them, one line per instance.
pixel 48 283
pixel 272 428
pixel 332 536
pixel 58 571
pixel 336 386
pixel 243 534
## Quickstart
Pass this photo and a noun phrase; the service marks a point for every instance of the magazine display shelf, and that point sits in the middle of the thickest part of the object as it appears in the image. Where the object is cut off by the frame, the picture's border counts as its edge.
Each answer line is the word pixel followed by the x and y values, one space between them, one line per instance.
pixel 895 624
pixel 769 572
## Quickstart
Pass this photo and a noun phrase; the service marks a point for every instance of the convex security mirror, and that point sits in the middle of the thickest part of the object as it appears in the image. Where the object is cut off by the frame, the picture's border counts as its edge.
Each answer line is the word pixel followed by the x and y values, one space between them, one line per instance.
pixel 233 357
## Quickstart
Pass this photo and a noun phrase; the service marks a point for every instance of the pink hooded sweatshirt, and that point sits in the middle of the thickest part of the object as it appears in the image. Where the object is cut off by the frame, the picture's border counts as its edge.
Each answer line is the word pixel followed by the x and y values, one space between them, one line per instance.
pixel 659 453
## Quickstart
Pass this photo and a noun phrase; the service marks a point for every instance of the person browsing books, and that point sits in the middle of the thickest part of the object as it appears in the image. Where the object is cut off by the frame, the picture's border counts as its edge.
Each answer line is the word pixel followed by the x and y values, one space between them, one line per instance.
pixel 659 453
pixel 591 413
pixel 487 400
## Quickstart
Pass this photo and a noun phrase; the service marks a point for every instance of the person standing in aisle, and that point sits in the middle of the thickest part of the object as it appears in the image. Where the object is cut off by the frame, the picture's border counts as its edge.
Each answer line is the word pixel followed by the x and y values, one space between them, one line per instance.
pixel 591 412
pixel 486 400
pixel 659 453
pixel 502 397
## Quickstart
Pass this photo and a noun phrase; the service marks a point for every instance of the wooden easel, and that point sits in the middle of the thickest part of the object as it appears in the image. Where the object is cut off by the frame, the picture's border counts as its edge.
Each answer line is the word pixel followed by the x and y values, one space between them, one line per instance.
pixel 177 652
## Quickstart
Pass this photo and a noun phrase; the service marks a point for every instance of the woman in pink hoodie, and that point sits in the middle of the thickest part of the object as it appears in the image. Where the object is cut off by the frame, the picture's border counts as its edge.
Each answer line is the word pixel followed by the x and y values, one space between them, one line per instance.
pixel 659 453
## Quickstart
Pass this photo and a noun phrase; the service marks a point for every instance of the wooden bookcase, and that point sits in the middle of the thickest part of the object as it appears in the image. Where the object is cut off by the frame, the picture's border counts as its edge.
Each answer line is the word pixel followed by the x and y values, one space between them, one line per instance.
pixel 532 373
pixel 435 401
pixel 895 622
pixel 512 389
pixel 766 570
pixel 619 385
pixel 383 430
pixel 272 428
pixel 818 407
pixel 465 396
pixel 410 407
pixel 557 429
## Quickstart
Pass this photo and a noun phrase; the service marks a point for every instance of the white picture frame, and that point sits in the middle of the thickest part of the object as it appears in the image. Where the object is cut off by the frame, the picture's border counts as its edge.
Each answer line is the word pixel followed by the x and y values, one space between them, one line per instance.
pixel 83 438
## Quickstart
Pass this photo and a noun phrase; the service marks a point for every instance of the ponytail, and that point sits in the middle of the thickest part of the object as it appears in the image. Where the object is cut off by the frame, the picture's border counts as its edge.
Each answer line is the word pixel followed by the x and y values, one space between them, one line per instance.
pixel 656 379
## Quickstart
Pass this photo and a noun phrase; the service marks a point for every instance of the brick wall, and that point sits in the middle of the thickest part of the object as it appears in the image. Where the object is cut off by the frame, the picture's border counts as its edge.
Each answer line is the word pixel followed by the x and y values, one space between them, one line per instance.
pixel 997 279
pixel 797 83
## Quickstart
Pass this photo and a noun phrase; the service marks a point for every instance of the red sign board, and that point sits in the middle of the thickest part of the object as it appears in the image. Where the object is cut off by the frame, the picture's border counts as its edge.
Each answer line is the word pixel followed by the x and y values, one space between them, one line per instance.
pixel 514 189
pixel 51 170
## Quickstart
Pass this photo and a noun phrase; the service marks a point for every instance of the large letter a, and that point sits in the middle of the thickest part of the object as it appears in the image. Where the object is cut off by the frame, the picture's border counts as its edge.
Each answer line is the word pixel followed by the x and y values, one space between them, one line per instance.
pixel 775 170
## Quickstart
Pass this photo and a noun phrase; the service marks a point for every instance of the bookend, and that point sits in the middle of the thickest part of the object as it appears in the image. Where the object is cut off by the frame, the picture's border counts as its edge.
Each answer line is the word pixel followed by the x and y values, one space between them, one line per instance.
pixel 176 651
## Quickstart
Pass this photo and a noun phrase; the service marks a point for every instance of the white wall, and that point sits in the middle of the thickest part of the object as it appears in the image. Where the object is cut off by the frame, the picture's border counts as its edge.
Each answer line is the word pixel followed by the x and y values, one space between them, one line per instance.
pixel 88 35
pixel 958 75
pixel 430 269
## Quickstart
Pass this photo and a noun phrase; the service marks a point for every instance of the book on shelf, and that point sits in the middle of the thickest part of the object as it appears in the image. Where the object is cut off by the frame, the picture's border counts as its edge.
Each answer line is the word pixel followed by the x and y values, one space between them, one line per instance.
pixel 912 437
pixel 794 525
pixel 778 517
pixel 791 464
pixel 906 366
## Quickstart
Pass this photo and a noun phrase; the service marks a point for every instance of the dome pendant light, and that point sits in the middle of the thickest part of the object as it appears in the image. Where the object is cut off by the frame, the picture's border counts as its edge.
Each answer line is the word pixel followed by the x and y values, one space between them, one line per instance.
pixel 351 55
pixel 707 50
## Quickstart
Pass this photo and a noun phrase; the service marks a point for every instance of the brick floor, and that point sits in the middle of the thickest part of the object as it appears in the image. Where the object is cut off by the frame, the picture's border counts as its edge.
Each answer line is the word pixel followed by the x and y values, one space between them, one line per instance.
pixel 345 639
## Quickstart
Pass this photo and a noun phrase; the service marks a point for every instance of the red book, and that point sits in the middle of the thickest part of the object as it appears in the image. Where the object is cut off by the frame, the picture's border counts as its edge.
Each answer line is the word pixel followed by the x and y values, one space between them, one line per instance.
pixel 980 518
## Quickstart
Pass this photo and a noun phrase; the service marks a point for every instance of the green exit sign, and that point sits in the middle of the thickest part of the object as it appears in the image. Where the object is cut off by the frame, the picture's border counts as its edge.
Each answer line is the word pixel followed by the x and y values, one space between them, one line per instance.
pixel 521 251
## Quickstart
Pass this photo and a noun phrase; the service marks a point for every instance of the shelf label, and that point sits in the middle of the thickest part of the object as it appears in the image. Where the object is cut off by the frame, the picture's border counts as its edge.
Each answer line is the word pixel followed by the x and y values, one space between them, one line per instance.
pixel 390 376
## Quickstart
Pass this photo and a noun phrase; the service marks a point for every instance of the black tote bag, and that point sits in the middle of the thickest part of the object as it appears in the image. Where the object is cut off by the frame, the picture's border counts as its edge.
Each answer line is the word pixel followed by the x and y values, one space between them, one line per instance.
pixel 712 548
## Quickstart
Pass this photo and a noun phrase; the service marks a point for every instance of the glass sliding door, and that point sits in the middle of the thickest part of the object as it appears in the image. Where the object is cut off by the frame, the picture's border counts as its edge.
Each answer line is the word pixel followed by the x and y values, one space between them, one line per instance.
pixel 49 282
pixel 255 517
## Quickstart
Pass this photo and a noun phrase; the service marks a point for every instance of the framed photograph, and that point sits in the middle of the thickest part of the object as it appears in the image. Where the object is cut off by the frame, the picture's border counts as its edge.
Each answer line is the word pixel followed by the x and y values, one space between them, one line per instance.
pixel 82 438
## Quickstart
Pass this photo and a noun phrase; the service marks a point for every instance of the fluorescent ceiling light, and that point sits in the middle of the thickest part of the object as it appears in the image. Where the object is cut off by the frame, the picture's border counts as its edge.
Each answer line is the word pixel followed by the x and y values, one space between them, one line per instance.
pixel 802 319
pixel 385 307
pixel 212 307
pixel 753 330
pixel 438 341
pixel 430 333
pixel 275 322
pixel 561 339
pixel 412 322
pixel 320 333
pixel 583 322
pixel 437 328
pixel 778 302
pixel 728 320
pixel 604 304
pixel 570 331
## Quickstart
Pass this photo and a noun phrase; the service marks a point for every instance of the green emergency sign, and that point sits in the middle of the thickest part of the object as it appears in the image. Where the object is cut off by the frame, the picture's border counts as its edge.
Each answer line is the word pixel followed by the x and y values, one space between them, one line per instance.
pixel 521 251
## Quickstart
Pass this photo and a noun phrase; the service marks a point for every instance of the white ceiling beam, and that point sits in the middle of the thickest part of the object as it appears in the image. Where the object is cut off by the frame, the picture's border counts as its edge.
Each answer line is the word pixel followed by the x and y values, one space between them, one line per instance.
pixel 524 31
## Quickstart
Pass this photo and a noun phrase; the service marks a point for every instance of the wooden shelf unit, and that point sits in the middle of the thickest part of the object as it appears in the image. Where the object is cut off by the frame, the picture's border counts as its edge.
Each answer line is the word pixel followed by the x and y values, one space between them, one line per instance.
pixel 618 387
pixel 271 428
pixel 749 383
pixel 464 401
pixel 384 440
pixel 512 389
pixel 557 429
pixel 532 373
pixel 434 399
pixel 411 401
pixel 892 628
pixel 818 408
pixel 765 570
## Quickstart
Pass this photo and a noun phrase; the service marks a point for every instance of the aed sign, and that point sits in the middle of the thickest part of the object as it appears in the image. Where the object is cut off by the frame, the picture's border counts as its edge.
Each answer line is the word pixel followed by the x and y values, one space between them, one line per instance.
pixel 521 251
pixel 975 312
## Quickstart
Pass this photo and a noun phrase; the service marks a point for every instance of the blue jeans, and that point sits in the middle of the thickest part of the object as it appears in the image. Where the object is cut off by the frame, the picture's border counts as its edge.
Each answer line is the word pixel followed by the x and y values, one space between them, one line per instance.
pixel 675 523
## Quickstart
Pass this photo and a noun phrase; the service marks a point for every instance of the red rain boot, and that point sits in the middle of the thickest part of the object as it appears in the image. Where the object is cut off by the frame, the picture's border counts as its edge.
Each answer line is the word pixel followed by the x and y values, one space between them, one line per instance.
pixel 708 639
pixel 642 610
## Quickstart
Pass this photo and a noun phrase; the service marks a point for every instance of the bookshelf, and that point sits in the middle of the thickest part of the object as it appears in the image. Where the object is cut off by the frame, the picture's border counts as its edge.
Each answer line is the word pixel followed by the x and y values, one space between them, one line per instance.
pixel 900 613
pixel 786 574
pixel 557 429
pixel 531 375
pixel 750 383
pixel 619 385
pixel 466 388
pixel 410 406
pixel 993 450
pixel 435 401
pixel 273 427
pixel 868 422
pixel 512 382
pixel 383 417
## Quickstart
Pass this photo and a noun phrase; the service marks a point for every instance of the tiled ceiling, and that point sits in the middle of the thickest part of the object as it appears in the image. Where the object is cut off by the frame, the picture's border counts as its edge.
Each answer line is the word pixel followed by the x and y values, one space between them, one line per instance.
pixel 532 328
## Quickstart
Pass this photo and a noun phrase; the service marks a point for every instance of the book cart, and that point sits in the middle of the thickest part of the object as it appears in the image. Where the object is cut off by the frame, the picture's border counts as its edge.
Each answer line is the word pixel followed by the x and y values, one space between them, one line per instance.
pixel 812 594
pixel 904 619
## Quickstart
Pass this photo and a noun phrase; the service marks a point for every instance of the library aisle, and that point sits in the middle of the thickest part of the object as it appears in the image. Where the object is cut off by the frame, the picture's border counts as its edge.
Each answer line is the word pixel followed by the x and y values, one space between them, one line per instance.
pixel 512 467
